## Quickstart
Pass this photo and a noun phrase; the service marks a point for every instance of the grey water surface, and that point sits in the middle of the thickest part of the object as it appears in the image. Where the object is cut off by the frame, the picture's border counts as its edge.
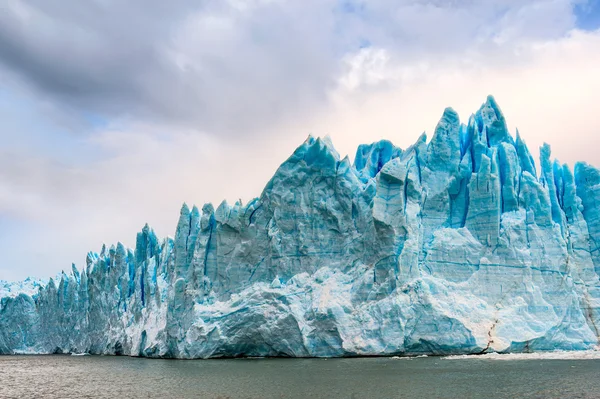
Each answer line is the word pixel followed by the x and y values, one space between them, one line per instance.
pixel 64 377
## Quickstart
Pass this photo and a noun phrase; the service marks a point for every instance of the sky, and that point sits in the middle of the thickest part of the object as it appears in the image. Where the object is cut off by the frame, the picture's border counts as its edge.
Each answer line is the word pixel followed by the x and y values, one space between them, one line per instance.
pixel 115 113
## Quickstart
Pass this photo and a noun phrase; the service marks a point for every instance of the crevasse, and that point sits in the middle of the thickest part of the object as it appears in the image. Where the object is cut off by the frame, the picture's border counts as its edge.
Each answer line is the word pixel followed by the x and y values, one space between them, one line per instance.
pixel 448 247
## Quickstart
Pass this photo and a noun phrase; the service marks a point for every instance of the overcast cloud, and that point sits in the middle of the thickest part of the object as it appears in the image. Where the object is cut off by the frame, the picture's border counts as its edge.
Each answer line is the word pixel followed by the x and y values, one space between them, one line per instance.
pixel 114 113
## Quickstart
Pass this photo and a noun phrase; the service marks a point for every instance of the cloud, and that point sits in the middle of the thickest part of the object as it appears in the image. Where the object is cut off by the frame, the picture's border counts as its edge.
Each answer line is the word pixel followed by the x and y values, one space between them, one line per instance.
pixel 232 67
pixel 115 113
pixel 222 66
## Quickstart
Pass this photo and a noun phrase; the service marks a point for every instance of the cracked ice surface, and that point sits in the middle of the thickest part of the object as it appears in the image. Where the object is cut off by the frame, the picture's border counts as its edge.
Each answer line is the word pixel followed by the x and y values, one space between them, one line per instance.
pixel 453 246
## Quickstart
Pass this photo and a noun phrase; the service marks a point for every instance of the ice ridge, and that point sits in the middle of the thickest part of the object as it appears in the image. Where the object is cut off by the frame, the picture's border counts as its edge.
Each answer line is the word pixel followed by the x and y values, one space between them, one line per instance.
pixel 453 246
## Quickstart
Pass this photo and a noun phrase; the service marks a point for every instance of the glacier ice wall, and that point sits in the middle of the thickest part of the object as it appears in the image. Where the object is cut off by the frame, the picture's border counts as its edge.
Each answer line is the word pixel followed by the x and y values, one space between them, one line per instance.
pixel 456 245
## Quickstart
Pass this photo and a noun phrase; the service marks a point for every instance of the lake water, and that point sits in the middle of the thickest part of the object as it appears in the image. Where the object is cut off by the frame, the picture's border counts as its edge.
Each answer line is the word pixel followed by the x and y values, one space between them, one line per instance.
pixel 123 377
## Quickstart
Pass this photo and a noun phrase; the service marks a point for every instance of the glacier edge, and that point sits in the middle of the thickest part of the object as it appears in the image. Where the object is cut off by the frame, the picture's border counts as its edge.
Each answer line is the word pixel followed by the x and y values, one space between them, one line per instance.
pixel 453 246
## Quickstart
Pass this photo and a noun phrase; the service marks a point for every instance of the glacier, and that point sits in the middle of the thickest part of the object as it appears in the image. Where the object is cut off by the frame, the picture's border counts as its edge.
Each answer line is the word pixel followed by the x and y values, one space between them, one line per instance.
pixel 453 246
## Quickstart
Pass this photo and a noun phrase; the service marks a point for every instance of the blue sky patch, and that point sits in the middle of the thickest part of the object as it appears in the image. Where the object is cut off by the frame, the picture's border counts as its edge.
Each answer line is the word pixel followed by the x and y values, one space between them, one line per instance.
pixel 588 15
pixel 351 6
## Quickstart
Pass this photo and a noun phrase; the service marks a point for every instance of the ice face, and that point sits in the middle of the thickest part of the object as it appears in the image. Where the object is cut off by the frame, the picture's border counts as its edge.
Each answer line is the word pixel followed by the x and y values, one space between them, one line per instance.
pixel 452 246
